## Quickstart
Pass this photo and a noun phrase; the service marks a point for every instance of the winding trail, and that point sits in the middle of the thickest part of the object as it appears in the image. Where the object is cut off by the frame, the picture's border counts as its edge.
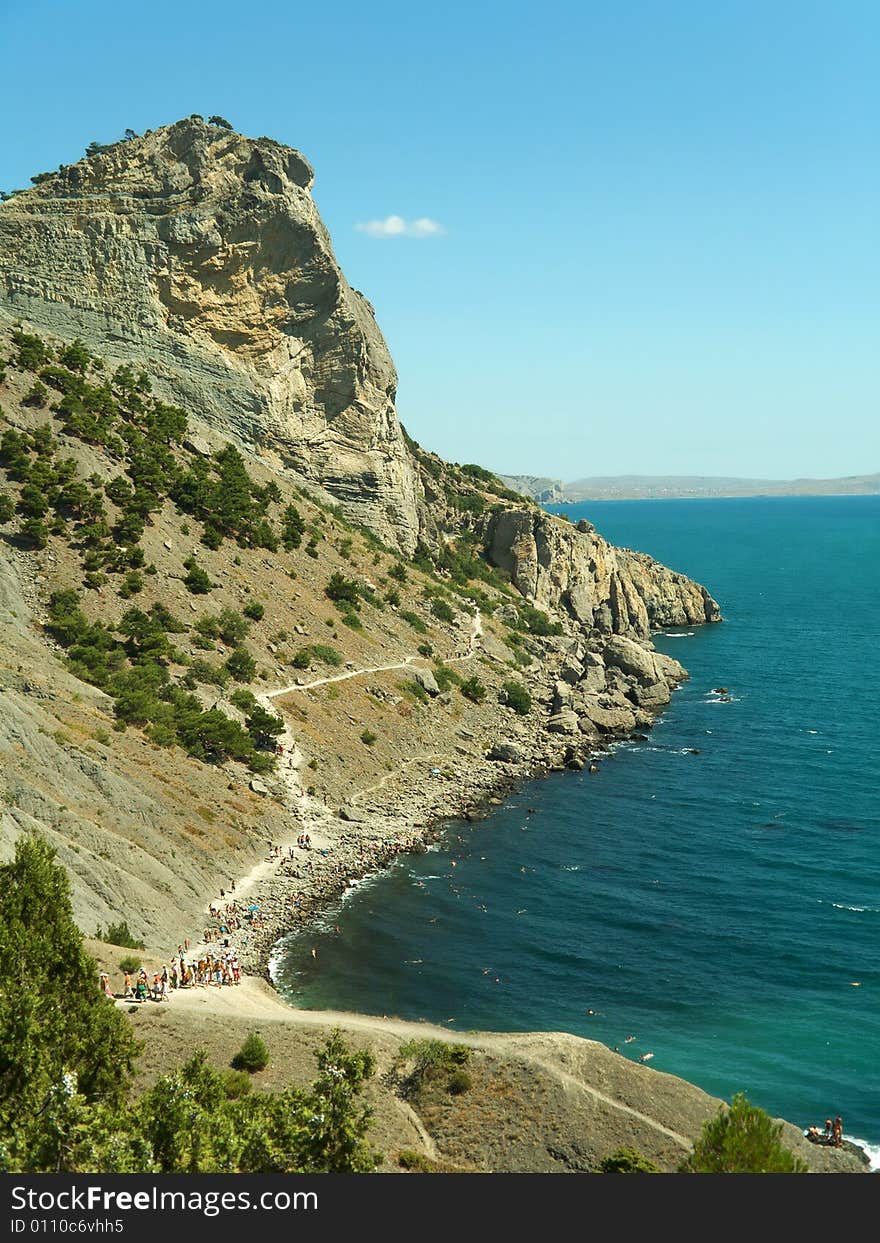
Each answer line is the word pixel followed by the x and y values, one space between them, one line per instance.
pixel 417 759
pixel 339 677
pixel 476 633
pixel 305 807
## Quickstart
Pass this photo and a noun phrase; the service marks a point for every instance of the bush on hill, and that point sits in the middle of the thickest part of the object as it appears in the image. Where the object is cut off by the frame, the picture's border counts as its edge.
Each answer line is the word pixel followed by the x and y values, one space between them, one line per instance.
pixel 252 1056
pixel 742 1139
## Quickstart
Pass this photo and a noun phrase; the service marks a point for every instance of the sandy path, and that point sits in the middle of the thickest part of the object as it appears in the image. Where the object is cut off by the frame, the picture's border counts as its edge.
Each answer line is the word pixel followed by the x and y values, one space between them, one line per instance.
pixel 309 811
pixel 254 998
pixel 339 677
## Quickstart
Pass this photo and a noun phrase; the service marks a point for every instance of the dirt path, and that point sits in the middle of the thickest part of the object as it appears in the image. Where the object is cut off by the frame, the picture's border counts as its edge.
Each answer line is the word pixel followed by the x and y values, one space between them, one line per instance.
pixel 255 998
pixel 474 636
pixel 418 759
pixel 339 677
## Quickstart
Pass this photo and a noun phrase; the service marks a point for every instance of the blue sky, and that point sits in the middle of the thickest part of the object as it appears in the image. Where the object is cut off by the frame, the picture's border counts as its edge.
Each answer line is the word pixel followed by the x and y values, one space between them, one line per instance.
pixel 653 245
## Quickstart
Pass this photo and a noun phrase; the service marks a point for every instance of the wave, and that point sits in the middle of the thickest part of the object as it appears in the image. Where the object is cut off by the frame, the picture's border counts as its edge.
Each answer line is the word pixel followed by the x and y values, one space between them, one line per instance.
pixel 678 634
pixel 873 1151
pixel 842 906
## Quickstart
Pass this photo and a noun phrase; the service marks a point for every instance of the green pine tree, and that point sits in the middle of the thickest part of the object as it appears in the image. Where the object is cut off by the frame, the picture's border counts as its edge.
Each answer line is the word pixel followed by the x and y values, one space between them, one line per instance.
pixel 54 1021
pixel 742 1139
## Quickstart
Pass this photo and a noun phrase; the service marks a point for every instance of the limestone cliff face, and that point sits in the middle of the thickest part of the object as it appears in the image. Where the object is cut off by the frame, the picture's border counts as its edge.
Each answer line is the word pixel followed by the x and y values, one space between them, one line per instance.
pixel 200 254
pixel 558 566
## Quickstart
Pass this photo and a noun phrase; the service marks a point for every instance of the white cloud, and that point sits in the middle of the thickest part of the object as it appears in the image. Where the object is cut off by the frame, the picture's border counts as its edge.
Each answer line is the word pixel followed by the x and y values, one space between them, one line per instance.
pixel 396 226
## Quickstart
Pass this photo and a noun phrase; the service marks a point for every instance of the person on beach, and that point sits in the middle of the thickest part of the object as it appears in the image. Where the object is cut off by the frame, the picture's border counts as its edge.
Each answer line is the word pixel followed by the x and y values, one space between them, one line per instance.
pixel 838 1132
pixel 105 985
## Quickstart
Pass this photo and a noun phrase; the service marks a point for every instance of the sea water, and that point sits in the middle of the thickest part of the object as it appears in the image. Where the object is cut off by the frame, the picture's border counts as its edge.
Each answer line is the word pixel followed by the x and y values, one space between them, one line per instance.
pixel 711 896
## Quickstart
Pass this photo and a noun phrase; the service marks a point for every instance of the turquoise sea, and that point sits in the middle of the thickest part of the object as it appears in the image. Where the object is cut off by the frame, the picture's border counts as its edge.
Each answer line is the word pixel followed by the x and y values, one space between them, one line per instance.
pixel 721 908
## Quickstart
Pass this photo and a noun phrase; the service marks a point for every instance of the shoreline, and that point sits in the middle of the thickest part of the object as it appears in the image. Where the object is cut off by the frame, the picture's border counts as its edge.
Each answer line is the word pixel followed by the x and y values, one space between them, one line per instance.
pixel 291 886
pixel 295 891
pixel 359 840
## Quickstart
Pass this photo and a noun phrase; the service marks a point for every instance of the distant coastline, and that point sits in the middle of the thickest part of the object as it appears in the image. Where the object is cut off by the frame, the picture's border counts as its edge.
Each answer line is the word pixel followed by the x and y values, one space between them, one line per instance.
pixel 548 491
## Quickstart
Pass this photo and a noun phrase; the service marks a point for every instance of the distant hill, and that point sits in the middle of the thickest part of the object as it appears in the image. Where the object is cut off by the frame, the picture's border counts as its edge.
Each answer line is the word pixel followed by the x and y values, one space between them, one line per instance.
pixel 654 487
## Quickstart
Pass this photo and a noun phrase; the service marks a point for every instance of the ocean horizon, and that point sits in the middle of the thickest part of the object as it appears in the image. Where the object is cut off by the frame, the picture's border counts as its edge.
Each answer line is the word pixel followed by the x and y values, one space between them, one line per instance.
pixel 709 900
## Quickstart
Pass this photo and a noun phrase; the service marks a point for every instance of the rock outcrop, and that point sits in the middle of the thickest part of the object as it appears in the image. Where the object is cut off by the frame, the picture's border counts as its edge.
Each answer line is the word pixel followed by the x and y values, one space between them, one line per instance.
pixel 558 566
pixel 201 254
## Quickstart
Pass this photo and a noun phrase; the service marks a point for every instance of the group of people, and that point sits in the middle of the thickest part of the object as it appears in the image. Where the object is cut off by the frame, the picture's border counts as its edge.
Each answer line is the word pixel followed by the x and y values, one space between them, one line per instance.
pixel 206 970
pixel 832 1136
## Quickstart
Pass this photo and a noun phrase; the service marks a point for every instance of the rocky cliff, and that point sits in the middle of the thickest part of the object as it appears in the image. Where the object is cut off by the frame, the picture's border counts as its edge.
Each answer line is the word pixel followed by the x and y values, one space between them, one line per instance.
pixel 199 254
pixel 603 588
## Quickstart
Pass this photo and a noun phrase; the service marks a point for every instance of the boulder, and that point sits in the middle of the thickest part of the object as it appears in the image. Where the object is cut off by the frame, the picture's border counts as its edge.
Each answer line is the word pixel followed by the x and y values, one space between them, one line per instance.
pixel 561 696
pixel 609 720
pixel 426 680
pixel 655 695
pixel 352 815
pixel 572 672
pixel 630 657
pixel 670 668
pixel 506 753
pixel 563 722
pixel 258 787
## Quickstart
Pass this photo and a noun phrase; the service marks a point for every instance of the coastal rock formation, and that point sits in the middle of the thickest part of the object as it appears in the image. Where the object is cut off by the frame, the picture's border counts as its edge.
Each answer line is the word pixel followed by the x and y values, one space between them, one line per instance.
pixel 613 590
pixel 198 257
pixel 200 254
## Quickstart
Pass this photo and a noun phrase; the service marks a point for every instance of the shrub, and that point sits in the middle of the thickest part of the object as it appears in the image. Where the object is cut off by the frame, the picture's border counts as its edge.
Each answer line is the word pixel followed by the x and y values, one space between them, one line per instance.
pixel 414 620
pixel 431 1052
pixel 442 610
pixel 742 1139
pixel 36 396
pixel 252 1056
pixel 416 1162
pixel 398 571
pixel 368 737
pixel 627 1161
pixel 211 675
pixel 231 627
pixel 425 649
pixel 132 583
pixel 518 698
pixel 342 590
pixel 254 610
pixel 197 579
pixel 536 622
pixel 129 964
pixel 7 508
pixel 242 665
pixel 445 676
pixel 236 1084
pixel 120 934
pixel 473 689
pixel 34 532
pixel 415 689
pixel 459 1081
pixel 329 655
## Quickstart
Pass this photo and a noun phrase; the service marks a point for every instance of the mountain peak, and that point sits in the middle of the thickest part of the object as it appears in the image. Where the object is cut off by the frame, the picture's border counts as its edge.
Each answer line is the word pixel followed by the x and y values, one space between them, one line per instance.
pixel 201 253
